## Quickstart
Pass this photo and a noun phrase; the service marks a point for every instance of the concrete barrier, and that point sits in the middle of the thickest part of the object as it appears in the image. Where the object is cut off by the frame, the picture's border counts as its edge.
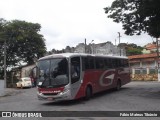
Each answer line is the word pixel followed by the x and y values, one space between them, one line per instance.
pixel 1 87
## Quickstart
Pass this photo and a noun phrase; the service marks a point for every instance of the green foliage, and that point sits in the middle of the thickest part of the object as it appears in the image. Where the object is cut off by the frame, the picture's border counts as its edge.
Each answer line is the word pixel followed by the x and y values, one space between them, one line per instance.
pixel 136 16
pixel 131 49
pixel 23 42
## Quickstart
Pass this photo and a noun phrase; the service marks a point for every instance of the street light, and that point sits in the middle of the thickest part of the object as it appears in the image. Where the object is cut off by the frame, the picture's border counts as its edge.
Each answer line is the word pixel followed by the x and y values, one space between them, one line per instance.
pixel 85 45
pixel 119 35
pixel 92 41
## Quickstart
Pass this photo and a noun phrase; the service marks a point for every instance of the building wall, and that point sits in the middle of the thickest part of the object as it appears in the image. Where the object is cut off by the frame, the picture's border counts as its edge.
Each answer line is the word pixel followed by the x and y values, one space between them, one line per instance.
pixel 1 87
pixel 25 72
pixel 135 65
pixel 106 48
pixel 144 70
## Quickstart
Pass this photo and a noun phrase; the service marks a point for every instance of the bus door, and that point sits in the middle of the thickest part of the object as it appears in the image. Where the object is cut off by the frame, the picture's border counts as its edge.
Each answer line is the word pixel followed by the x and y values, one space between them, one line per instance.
pixel 75 75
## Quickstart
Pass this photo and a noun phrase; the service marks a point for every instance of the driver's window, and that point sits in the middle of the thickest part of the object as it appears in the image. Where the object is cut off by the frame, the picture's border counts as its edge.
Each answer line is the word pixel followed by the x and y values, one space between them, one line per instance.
pixel 75 69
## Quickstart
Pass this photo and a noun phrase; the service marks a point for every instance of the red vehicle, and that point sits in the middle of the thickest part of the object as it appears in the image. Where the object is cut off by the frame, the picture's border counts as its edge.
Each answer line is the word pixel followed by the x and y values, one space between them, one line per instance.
pixel 71 76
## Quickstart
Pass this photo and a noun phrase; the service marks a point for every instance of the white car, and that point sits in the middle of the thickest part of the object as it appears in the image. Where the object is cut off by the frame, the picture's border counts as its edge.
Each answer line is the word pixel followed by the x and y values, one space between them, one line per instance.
pixel 24 82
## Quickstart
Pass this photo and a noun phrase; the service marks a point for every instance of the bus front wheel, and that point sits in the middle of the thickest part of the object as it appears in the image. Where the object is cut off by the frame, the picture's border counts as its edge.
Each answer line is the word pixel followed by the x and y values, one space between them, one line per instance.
pixel 88 93
pixel 118 87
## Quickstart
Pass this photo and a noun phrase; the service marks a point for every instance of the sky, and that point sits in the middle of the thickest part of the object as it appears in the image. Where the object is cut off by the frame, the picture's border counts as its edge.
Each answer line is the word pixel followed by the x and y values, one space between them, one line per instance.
pixel 69 22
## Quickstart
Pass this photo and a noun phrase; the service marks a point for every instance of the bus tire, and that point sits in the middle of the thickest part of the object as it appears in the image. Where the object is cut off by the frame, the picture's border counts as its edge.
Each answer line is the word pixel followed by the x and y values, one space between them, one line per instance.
pixel 118 86
pixel 88 93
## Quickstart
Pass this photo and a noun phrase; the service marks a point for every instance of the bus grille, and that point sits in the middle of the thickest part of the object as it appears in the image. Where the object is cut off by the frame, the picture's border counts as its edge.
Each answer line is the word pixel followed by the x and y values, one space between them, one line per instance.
pixel 50 93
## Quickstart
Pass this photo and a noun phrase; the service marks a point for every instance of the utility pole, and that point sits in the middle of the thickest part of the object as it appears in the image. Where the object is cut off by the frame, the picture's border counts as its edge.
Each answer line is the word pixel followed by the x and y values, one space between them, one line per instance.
pixel 92 49
pixel 119 42
pixel 85 45
pixel 158 69
pixel 157 52
pixel 5 75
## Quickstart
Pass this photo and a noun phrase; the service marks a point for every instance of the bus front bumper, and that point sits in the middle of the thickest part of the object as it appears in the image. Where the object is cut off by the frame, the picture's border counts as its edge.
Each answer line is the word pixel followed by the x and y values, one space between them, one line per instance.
pixel 59 97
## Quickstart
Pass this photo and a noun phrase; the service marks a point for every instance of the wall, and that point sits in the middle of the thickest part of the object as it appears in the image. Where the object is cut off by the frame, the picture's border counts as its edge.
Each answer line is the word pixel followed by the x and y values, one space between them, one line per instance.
pixel 1 87
pixel 26 71
pixel 144 71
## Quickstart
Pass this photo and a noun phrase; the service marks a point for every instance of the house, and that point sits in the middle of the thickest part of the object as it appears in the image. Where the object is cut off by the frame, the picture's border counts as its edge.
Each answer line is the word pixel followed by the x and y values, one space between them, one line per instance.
pixel 144 67
pixel 150 48
pixel 106 48
pixel 23 71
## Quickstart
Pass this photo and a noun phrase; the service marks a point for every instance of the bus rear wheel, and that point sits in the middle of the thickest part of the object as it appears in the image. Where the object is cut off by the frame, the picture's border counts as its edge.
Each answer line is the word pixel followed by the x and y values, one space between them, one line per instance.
pixel 88 93
pixel 118 87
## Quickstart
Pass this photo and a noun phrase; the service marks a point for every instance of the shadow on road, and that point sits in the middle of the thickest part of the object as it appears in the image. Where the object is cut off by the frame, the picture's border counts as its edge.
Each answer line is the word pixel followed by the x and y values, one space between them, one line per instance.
pixel 151 94
pixel 65 103
pixel 108 92
pixel 82 100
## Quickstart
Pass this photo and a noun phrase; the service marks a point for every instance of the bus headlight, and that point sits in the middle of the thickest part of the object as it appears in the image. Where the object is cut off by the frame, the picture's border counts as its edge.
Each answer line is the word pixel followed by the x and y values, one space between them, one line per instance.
pixel 64 91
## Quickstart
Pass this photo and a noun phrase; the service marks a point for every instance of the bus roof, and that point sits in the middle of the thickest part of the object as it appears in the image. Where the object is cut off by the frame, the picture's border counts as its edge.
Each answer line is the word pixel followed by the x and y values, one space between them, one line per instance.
pixel 67 55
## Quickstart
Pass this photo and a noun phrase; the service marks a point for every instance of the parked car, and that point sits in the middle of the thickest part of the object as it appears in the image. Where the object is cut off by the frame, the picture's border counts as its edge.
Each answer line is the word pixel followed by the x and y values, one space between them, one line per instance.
pixel 24 82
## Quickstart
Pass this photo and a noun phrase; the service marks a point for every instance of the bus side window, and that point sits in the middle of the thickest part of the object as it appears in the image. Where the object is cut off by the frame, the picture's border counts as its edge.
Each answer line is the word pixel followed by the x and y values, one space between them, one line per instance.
pixel 100 63
pixel 87 63
pixel 108 63
pixel 91 62
pixel 114 63
pixel 126 63
pixel 121 63
pixel 75 69
pixel 118 61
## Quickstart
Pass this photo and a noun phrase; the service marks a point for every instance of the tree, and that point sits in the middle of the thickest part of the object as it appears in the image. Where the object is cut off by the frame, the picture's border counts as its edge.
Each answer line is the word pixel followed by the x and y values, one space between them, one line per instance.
pixel 131 49
pixel 136 16
pixel 24 42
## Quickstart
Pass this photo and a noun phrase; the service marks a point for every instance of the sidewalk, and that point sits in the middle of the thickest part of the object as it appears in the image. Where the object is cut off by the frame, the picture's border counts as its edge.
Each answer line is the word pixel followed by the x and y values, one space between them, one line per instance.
pixel 10 91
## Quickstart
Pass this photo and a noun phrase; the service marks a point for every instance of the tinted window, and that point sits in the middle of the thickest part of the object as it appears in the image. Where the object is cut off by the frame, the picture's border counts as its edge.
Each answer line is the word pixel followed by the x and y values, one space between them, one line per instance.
pixel 59 72
pixel 114 63
pixel 75 69
pixel 88 63
pixel 100 63
pixel 43 72
pixel 53 72
pixel 108 63
pixel 125 63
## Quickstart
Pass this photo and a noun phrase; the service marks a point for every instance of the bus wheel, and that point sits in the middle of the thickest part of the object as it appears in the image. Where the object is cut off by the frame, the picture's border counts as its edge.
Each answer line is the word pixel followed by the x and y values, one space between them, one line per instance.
pixel 88 93
pixel 118 87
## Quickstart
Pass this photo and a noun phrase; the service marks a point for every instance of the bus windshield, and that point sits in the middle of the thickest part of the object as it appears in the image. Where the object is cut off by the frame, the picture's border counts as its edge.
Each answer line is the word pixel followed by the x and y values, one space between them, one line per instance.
pixel 53 72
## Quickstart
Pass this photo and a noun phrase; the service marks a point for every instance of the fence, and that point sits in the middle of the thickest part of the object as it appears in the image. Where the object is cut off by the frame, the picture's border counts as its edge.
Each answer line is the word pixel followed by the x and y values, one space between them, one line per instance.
pixel 145 74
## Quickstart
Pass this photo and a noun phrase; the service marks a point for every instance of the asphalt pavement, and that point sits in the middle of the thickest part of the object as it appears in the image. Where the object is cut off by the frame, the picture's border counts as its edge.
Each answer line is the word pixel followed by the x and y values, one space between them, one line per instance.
pixel 135 96
pixel 10 92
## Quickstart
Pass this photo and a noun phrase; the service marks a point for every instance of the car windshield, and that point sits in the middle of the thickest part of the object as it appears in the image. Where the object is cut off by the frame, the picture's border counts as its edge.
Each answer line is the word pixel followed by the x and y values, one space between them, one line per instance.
pixel 53 72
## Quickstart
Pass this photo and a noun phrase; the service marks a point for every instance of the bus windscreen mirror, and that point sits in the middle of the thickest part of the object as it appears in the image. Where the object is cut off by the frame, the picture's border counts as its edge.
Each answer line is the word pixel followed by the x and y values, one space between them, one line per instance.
pixel 40 83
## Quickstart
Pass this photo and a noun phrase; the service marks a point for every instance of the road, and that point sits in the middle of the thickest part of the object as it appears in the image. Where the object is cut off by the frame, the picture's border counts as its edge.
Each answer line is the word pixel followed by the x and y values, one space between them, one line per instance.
pixel 135 96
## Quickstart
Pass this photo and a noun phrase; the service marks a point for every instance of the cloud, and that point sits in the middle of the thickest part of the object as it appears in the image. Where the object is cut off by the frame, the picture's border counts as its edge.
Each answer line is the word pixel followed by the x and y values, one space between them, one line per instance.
pixel 69 22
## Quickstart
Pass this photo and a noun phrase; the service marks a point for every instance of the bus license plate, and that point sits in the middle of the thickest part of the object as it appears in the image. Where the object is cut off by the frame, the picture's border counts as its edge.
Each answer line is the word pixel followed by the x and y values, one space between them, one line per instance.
pixel 50 99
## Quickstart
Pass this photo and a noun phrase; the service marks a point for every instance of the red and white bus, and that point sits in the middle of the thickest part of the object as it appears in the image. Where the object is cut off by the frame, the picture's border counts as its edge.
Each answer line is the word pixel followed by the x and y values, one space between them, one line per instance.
pixel 71 76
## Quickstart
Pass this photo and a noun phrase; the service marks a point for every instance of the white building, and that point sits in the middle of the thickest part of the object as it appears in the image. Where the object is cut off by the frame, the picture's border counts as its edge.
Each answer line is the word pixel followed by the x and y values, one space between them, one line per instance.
pixel 106 48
